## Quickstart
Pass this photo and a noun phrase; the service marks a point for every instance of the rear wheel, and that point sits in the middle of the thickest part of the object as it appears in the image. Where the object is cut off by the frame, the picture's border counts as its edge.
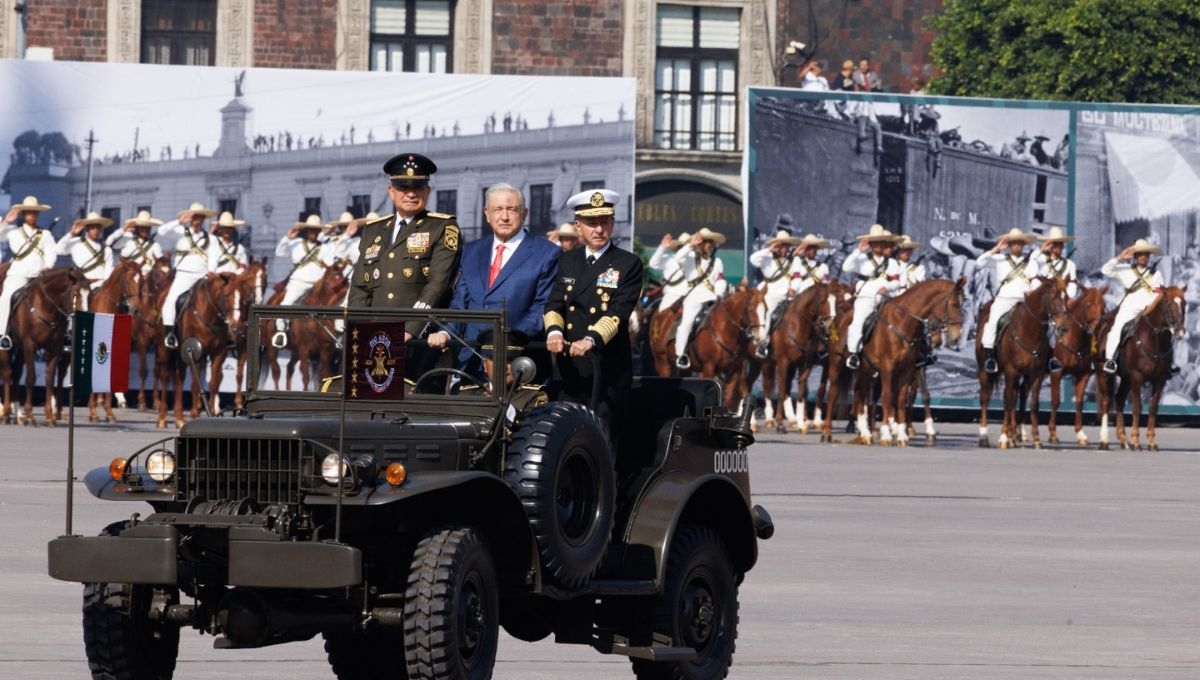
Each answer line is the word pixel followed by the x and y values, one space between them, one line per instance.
pixel 560 465
pixel 125 631
pixel 698 608
pixel 451 608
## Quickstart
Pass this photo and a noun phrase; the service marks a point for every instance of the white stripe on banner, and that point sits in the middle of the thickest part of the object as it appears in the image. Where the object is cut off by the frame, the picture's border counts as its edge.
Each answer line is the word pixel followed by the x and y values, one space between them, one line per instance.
pixel 102 345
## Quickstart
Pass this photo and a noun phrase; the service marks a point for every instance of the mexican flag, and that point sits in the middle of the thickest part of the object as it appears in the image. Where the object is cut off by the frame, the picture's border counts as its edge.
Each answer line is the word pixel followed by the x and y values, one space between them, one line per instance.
pixel 101 352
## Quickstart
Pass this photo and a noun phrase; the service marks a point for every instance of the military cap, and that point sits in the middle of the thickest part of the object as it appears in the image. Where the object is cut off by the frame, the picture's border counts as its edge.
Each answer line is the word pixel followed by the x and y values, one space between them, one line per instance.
pixel 594 202
pixel 409 170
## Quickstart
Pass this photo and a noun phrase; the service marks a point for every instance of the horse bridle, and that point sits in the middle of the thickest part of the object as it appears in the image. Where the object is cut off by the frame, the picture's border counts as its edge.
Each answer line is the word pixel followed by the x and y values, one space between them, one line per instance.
pixel 929 324
pixel 72 289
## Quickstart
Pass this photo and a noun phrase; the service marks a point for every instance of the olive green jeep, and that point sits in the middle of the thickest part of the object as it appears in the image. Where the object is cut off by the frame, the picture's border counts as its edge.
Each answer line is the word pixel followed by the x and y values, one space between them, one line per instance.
pixel 416 526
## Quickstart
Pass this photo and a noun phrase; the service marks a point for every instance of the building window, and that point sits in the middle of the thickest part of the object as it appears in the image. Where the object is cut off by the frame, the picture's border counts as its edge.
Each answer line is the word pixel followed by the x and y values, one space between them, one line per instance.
pixel 540 208
pixel 312 206
pixel 113 214
pixel 228 205
pixel 447 201
pixel 695 83
pixel 591 185
pixel 179 32
pixel 360 205
pixel 411 35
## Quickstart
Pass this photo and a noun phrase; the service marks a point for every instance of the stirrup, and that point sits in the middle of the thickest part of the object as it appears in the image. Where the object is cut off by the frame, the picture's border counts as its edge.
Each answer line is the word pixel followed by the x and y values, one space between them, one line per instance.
pixel 852 361
pixel 1054 365
pixel 990 366
pixel 761 352
pixel 1174 370
pixel 1110 366
pixel 279 340
pixel 682 361
pixel 5 342
pixel 171 341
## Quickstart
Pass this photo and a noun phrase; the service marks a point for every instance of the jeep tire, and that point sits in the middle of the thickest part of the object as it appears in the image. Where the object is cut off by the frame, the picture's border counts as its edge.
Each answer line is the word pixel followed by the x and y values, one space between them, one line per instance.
pixel 125 634
pixel 561 467
pixel 451 608
pixel 698 608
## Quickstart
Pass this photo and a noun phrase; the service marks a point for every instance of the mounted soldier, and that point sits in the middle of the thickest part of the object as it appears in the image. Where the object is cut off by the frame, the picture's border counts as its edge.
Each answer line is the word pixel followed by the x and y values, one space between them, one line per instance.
pixel 878 276
pixel 911 272
pixel 225 254
pixel 705 276
pixel 33 250
pixel 1053 264
pixel 1142 284
pixel 777 263
pixel 808 271
pixel 93 256
pixel 135 241
pixel 310 258
pixel 1013 274
pixel 674 283
pixel 191 261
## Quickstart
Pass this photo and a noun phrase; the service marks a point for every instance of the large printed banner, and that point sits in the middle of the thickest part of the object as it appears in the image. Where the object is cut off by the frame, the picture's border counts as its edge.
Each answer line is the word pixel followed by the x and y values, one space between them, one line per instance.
pixel 954 173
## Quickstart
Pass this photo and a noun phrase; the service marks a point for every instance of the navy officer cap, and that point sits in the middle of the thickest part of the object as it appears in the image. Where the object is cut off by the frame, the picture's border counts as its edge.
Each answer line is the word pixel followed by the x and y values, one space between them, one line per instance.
pixel 409 170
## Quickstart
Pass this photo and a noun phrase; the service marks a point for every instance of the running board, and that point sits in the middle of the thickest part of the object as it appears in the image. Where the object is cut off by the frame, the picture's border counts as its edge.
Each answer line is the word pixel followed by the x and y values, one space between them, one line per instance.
pixel 660 648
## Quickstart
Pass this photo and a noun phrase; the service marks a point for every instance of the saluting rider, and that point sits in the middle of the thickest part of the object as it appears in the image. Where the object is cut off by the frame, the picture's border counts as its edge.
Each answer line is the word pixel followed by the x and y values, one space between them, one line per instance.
pixel 1013 276
pixel 33 250
pixel 191 261
pixel 309 259
pixel 808 271
pixel 911 273
pixel 225 254
pixel 87 252
pixel 878 276
pixel 134 241
pixel 776 262
pixel 705 276
pixel 1142 285
pixel 674 282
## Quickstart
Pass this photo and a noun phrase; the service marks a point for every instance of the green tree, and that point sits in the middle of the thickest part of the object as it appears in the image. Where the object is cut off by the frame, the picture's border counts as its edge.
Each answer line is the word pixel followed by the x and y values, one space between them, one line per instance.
pixel 1143 51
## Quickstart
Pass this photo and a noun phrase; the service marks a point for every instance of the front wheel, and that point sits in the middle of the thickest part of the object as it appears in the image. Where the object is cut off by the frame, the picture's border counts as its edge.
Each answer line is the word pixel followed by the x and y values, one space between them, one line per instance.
pixel 125 631
pixel 698 608
pixel 451 608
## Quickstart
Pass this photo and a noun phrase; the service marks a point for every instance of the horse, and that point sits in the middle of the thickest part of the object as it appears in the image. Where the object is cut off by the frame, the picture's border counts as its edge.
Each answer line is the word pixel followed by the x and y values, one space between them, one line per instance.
pixel 128 289
pixel 797 345
pixel 253 284
pixel 661 342
pixel 40 321
pixel 834 377
pixel 1144 359
pixel 1024 348
pixel 724 346
pixel 308 338
pixel 215 315
pixel 902 334
pixel 1077 349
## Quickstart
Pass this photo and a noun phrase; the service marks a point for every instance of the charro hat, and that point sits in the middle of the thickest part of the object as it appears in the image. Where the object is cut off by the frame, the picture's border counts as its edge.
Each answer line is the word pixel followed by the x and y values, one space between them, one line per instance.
pixel 877 233
pixel 409 170
pixel 312 222
pixel 814 241
pixel 94 218
pixel 566 230
pixel 707 234
pixel 371 216
pixel 678 243
pixel 143 219
pixel 226 220
pixel 1143 246
pixel 31 204
pixel 345 218
pixel 783 236
pixel 1056 235
pixel 1015 234
pixel 905 243
pixel 594 203
pixel 1023 137
pixel 197 209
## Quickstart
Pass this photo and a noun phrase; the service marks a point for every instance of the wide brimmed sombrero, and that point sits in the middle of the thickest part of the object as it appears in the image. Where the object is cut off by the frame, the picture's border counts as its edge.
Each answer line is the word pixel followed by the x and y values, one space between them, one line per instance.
pixel 1015 234
pixel 905 243
pixel 566 230
pixel 877 233
pixel 96 219
pixel 313 222
pixel 707 234
pixel 1056 235
pixel 31 204
pixel 226 221
pixel 344 219
pixel 196 209
pixel 783 236
pixel 1143 246
pixel 812 240
pixel 143 219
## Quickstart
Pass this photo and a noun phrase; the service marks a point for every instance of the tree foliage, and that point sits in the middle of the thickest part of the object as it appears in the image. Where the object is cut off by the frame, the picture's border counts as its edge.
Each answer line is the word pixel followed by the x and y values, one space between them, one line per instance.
pixel 1142 51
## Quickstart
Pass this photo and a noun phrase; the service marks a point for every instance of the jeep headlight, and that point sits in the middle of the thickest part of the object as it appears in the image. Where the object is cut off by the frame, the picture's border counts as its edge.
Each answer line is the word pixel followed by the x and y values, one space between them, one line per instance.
pixel 160 466
pixel 330 470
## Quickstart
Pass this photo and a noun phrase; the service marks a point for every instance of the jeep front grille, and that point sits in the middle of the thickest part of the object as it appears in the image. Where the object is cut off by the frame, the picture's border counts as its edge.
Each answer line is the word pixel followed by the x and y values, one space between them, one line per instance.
pixel 263 470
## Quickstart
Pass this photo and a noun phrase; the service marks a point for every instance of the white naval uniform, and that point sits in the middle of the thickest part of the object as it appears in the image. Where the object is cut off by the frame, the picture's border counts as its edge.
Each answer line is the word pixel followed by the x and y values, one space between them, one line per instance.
pixel 1142 287
pixel 1012 277
pixel 706 280
pixel 33 251
pixel 95 259
pixel 875 276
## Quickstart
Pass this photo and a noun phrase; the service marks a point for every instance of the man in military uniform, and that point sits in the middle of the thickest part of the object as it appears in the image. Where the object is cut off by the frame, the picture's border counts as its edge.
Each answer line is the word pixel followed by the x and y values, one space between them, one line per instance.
pixel 409 258
pixel 225 254
pixel 1142 283
pixel 876 276
pixel 135 242
pixel 597 288
pixel 33 250
pixel 1053 264
pixel 310 258
pixel 1013 275
pixel 705 276
pixel 777 263
pixel 87 251
pixel 191 261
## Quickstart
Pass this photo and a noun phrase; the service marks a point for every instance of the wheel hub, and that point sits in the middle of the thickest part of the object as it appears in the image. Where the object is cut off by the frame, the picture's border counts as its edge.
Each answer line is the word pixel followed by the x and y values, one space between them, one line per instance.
pixel 699 614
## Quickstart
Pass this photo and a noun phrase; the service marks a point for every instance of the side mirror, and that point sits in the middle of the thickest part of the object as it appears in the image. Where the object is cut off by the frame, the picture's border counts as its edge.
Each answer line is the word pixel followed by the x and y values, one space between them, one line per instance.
pixel 523 371
pixel 192 351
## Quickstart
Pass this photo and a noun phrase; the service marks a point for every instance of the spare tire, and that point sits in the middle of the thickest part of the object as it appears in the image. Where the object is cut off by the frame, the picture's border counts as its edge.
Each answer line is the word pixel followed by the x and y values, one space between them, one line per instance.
pixel 561 466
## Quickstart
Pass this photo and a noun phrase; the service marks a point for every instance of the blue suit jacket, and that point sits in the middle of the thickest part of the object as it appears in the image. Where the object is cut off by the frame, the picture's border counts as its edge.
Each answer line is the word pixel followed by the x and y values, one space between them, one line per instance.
pixel 522 287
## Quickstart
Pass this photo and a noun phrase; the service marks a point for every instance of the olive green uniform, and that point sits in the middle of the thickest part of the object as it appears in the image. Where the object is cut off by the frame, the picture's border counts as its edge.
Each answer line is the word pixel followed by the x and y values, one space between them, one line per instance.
pixel 417 270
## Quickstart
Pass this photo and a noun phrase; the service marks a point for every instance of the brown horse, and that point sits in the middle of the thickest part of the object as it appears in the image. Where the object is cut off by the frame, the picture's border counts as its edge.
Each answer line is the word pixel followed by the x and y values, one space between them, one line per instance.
pixel 1144 359
pixel 253 284
pixel 309 339
pixel 1023 348
pixel 40 321
pixel 724 346
pixel 215 315
pixel 662 342
pixel 902 334
pixel 797 345
pixel 1078 349
pixel 834 380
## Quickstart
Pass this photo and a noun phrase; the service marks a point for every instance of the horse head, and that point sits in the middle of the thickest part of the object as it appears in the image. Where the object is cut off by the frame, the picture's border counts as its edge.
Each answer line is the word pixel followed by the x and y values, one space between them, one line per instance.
pixel 1048 301
pixel 254 281
pixel 1087 309
pixel 1175 313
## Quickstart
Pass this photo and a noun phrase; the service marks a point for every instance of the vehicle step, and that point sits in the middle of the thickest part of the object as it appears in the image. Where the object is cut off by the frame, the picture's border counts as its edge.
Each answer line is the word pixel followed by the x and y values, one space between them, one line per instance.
pixel 659 650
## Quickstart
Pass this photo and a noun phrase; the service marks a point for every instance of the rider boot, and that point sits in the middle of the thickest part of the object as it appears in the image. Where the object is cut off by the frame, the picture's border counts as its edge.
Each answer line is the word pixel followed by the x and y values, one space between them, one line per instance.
pixel 989 361
pixel 170 340
pixel 682 361
pixel 853 361
pixel 1110 365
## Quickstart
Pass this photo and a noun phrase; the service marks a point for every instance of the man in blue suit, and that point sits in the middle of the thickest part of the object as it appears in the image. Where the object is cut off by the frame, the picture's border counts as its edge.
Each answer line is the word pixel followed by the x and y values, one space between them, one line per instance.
pixel 513 270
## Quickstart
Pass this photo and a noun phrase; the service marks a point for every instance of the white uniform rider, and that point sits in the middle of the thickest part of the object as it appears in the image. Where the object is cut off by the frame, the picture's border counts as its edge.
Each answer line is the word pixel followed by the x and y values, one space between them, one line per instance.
pixel 1013 275
pixel 807 270
pixel 135 242
pixel 311 253
pixel 87 251
pixel 1052 264
pixel 33 251
pixel 191 260
pixel 705 277
pixel 674 283
pixel 225 254
pixel 776 262
pixel 877 276
pixel 1142 286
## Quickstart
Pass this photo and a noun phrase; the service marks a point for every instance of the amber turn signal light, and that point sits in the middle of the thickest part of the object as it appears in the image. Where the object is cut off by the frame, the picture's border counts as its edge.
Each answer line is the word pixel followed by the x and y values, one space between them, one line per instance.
pixel 116 469
pixel 396 474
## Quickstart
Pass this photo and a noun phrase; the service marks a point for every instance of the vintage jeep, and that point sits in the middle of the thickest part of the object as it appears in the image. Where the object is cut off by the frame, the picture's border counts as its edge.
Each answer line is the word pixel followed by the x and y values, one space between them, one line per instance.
pixel 414 527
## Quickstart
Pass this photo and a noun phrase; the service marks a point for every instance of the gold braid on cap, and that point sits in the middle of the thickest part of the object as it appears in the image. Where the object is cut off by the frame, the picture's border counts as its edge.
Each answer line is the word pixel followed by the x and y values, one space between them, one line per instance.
pixel 553 320
pixel 606 327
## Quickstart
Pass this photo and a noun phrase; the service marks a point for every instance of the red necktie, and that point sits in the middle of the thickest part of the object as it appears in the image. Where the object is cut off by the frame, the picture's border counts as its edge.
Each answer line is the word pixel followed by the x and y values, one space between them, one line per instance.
pixel 497 262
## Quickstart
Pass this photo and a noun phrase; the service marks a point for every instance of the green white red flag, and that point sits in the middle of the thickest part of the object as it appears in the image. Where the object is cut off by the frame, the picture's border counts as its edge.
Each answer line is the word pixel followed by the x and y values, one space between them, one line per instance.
pixel 102 346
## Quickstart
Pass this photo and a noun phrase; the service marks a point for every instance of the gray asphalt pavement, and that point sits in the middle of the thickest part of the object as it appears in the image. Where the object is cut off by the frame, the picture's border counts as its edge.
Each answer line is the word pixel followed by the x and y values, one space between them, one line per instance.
pixel 924 563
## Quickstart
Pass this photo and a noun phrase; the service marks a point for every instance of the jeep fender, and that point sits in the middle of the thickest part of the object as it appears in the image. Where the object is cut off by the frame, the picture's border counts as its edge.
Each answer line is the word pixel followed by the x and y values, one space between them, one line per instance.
pixel 710 500
pixel 100 484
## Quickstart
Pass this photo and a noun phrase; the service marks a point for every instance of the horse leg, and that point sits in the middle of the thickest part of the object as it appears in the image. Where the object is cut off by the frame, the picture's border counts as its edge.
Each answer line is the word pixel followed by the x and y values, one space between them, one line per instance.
pixel 1008 431
pixel 106 402
pixel 1055 400
pixel 1156 390
pixel 822 387
pixel 273 363
pixel 214 384
pixel 51 379
pixel 984 394
pixel 896 400
pixel 238 393
pixel 1135 416
pixel 93 399
pixel 1080 393
pixel 162 374
pixel 1034 400
pixel 141 390
pixel 861 401
pixel 1122 395
pixel 930 432
pixel 801 409
pixel 831 394
pixel 179 378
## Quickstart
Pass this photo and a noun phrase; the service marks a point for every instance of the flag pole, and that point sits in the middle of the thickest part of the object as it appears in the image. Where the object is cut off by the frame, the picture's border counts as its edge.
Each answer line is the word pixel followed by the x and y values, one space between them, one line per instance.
pixel 70 425
pixel 346 378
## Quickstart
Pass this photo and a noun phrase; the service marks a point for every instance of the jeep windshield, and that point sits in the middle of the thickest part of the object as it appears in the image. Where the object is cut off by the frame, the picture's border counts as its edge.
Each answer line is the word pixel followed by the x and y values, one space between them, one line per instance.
pixel 378 361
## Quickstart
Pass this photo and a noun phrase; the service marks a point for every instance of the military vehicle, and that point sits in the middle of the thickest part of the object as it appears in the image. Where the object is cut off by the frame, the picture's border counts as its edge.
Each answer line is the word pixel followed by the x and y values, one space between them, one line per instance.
pixel 407 530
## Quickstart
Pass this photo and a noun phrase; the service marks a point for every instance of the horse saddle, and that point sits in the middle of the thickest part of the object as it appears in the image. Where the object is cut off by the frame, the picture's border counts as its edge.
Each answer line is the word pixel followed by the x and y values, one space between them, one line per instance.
pixel 869 325
pixel 697 325
pixel 777 316
pixel 183 302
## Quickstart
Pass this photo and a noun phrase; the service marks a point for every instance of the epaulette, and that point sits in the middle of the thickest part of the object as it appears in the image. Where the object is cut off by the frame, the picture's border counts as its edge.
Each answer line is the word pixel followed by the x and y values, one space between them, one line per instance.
pixel 438 215
pixel 377 220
